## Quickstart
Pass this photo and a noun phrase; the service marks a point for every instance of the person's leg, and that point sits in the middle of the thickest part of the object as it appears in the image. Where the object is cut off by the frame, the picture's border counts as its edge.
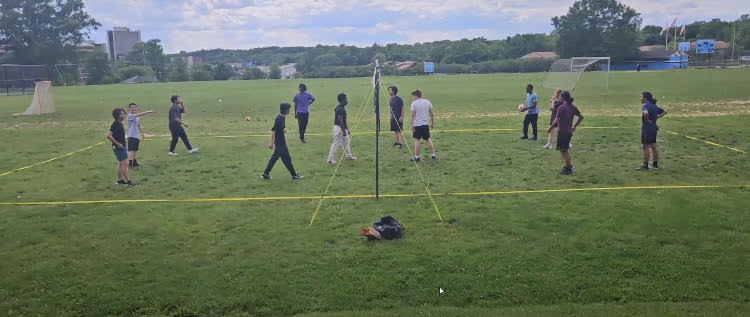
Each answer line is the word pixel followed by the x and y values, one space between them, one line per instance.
pixel 119 171
pixel 431 146
pixel 346 147
pixel 645 154
pixel 566 158
pixel 302 118
pixel 526 121
pixel 184 138
pixel 338 135
pixel 417 146
pixel 124 166
pixel 271 162
pixel 175 137
pixel 287 160
pixel 655 151
pixel 534 118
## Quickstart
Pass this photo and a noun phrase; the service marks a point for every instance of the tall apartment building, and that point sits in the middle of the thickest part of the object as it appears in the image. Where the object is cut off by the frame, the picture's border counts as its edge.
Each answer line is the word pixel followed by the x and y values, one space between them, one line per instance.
pixel 120 41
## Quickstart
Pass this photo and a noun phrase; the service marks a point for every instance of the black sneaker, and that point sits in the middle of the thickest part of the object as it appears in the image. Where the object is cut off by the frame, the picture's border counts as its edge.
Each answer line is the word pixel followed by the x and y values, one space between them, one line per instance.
pixel 265 176
pixel 302 140
pixel 654 167
pixel 434 157
pixel 135 164
pixel 400 146
pixel 298 176
pixel 120 182
pixel 532 139
pixel 395 144
pixel 566 171
pixel 524 138
pixel 642 168
pixel 415 159
pixel 129 184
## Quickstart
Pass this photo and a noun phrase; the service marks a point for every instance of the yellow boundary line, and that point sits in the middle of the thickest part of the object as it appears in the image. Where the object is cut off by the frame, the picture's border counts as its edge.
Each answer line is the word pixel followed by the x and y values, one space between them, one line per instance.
pixel 52 159
pixel 365 196
pixel 708 142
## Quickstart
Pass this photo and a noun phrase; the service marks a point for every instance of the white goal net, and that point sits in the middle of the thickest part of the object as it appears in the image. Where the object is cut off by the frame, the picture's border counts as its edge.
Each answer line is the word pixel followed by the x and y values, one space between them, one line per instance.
pixel 571 73
pixel 43 101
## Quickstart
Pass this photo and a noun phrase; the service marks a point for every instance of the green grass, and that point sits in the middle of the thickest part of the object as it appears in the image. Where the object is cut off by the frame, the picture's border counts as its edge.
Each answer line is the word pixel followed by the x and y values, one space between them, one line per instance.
pixel 622 252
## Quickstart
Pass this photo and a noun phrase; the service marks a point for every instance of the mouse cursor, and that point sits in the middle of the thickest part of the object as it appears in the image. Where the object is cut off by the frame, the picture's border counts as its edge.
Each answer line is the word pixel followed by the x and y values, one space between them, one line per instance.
pixel 441 291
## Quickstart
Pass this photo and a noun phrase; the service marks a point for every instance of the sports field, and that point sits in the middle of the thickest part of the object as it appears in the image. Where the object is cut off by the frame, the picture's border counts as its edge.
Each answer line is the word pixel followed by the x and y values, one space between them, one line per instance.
pixel 203 234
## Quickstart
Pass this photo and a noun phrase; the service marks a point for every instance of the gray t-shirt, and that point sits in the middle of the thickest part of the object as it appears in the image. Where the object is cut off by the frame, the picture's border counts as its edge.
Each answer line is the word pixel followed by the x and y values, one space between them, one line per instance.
pixel 133 123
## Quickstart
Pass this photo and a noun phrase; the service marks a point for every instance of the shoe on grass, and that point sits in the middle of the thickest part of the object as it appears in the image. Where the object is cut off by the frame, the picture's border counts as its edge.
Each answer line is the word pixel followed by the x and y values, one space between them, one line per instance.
pixel 566 171
pixel 331 162
pixel 298 176
pixel 415 159
pixel 351 158
pixel 524 138
pixel 265 176
pixel 129 184
pixel 120 182
pixel 642 168
pixel 547 146
pixel 434 157
pixel 193 150
pixel 172 154
pixel 532 139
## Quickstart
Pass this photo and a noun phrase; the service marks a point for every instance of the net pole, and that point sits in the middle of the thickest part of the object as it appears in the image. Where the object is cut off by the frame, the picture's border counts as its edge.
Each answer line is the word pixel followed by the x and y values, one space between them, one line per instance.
pixel 377 128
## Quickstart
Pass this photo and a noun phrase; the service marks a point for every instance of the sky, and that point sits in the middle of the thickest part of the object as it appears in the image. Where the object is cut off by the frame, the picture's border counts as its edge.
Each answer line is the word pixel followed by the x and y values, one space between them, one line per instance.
pixel 189 25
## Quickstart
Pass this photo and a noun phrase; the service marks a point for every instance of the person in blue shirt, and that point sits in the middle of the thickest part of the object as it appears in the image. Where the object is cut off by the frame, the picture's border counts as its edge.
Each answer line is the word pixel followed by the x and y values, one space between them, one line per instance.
pixel 650 113
pixel 302 102
pixel 532 113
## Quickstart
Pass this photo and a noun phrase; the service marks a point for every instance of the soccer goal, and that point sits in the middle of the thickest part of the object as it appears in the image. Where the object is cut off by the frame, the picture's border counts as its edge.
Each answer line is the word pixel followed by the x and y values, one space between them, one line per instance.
pixel 70 75
pixel 43 101
pixel 568 74
pixel 20 79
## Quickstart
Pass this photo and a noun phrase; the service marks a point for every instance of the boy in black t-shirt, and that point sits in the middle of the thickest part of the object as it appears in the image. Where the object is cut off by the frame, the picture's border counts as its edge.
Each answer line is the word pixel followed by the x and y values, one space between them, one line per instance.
pixel 279 142
pixel 340 131
pixel 116 134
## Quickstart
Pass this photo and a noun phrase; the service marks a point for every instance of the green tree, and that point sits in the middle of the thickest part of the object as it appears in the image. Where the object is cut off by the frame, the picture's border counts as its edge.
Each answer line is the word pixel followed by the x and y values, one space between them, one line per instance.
pixel 651 35
pixel 522 44
pixel 202 73
pixel 328 59
pixel 253 73
pixel 150 54
pixel 178 70
pixel 274 72
pixel 97 65
pixel 44 31
pixel 743 31
pixel 222 71
pixel 598 28
pixel 126 72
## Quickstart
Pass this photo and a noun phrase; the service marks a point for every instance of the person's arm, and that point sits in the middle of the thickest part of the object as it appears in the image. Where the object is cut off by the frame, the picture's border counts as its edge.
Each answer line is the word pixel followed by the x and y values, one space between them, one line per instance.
pixel 662 112
pixel 144 113
pixel 273 137
pixel 182 107
pixel 580 118
pixel 112 138
pixel 413 114
pixel 312 99
pixel 342 121
pixel 552 104
pixel 534 102
pixel 644 117
pixel 401 119
pixel 140 130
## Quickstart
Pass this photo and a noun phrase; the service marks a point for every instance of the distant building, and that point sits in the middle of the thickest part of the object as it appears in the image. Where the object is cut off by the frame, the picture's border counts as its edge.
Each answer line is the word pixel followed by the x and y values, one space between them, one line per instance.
pixel 404 65
pixel 194 61
pixel 540 55
pixel 288 71
pixel 88 46
pixel 654 58
pixel 120 41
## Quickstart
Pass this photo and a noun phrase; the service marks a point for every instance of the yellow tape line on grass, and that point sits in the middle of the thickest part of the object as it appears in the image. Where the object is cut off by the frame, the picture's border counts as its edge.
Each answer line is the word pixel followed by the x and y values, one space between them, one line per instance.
pixel 708 142
pixel 365 196
pixel 52 159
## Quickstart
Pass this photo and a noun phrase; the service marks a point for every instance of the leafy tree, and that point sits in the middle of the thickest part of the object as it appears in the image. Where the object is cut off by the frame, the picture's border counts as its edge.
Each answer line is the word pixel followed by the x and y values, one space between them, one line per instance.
pixel 598 28
pixel 222 71
pixel 328 59
pixel 97 65
pixel 178 70
pixel 126 72
pixel 651 35
pixel 202 73
pixel 254 73
pixel 743 31
pixel 44 31
pixel 380 57
pixel 522 44
pixel 274 72
pixel 151 54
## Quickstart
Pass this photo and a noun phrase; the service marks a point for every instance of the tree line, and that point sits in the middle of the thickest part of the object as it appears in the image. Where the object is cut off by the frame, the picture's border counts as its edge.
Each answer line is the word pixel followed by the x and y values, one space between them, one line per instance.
pixel 47 32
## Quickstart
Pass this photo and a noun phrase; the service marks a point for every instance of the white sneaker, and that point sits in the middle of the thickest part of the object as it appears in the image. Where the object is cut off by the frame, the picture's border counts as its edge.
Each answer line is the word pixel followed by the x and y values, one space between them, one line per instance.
pixel 193 150
pixel 351 158
pixel 172 154
pixel 570 145
pixel 547 146
pixel 332 162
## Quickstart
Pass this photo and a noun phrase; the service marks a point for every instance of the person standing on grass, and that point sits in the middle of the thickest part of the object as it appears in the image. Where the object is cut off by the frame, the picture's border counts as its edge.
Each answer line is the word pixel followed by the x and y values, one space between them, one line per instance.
pixel 278 144
pixel 340 131
pixel 566 128
pixel 116 134
pixel 135 132
pixel 302 102
pixel 397 116
pixel 420 127
pixel 650 112
pixel 176 124
pixel 554 103
pixel 532 113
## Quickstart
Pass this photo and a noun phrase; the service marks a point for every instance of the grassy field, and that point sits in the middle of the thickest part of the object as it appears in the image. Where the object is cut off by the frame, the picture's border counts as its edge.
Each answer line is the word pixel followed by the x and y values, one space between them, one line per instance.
pixel 517 239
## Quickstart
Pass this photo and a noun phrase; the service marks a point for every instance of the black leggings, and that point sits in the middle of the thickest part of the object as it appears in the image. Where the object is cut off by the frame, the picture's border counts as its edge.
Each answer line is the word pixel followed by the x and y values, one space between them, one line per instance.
pixel 302 119
pixel 282 153
pixel 530 118
pixel 178 133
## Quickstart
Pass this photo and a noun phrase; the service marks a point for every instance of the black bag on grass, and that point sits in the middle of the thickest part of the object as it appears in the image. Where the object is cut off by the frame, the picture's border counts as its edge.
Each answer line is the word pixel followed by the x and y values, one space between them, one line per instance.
pixel 389 228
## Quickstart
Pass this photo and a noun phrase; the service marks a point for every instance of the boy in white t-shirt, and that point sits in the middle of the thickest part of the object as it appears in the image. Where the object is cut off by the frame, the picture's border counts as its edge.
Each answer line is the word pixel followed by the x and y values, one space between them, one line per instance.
pixel 420 127
pixel 134 133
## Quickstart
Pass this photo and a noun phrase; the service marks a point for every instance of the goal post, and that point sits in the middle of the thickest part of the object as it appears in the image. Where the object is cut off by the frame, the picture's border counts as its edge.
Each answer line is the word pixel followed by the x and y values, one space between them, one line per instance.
pixel 70 75
pixel 567 74
pixel 43 102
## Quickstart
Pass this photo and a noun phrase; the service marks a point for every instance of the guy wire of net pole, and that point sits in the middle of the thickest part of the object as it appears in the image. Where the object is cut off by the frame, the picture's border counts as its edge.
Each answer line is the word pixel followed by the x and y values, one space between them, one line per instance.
pixel 363 106
pixel 416 165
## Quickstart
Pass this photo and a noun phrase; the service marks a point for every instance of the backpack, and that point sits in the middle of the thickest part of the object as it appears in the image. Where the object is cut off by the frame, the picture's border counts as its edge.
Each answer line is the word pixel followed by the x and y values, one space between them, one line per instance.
pixel 389 228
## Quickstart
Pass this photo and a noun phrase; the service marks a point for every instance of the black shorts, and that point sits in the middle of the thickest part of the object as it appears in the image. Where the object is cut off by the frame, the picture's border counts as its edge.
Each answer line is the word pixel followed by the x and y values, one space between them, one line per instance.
pixel 563 140
pixel 552 117
pixel 396 126
pixel 648 136
pixel 133 144
pixel 421 132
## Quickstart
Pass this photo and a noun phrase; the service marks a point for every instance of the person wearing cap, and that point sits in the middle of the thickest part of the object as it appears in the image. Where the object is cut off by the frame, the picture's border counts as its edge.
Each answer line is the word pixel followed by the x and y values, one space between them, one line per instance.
pixel 176 124
pixel 420 127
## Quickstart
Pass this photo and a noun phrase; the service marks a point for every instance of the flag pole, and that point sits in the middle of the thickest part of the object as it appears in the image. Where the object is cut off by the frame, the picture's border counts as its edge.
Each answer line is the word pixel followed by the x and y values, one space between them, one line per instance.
pixel 377 128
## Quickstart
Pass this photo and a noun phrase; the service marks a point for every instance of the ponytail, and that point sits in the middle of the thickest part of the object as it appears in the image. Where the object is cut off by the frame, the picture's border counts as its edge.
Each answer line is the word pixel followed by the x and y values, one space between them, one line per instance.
pixel 649 97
